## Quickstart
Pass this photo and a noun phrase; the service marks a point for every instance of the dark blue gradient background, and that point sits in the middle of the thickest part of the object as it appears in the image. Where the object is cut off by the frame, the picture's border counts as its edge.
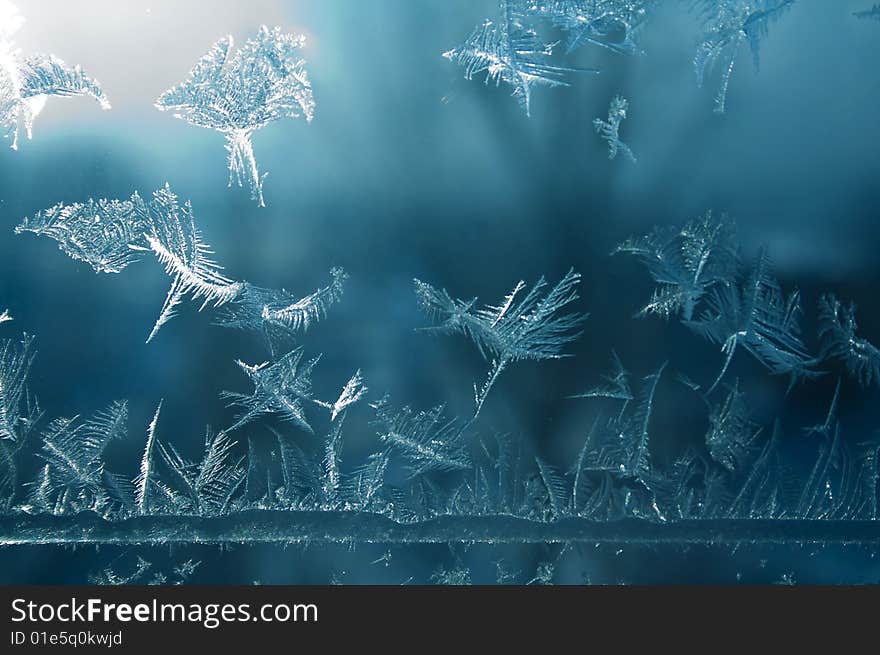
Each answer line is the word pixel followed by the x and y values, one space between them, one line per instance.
pixel 410 171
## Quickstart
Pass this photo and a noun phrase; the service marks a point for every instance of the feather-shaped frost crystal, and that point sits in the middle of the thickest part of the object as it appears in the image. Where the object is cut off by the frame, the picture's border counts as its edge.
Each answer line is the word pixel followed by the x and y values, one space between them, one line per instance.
pixel 352 392
pixel 109 235
pixel 610 129
pixel 727 25
pixel 278 314
pixel 617 457
pixel 237 94
pixel 27 82
pixel 525 325
pixel 280 387
pixel 177 243
pixel 73 451
pixel 610 24
pixel 838 333
pixel 508 52
pixel 731 435
pixel 685 263
pixel 206 488
pixel 428 440
pixel 758 317
pixel 18 410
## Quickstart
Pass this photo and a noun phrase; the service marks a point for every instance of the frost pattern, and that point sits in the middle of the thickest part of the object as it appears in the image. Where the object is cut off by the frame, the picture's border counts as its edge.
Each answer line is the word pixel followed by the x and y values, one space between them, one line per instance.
pixel 237 94
pixel 610 129
pixel 428 440
pixel 109 235
pixel 280 387
pixel 685 263
pixel 837 331
pixel 278 473
pixel 757 317
pixel 525 325
pixel 611 24
pixel 727 25
pixel 26 82
pixel 278 315
pixel 697 267
pixel 507 51
pixel 18 410
pixel 144 572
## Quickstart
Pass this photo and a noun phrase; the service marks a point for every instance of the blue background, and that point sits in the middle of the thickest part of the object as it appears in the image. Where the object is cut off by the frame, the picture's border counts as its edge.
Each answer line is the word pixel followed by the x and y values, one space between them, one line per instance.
pixel 410 171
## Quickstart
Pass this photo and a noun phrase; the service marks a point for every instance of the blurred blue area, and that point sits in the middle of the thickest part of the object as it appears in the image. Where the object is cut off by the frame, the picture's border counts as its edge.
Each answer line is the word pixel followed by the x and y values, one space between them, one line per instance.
pixel 408 170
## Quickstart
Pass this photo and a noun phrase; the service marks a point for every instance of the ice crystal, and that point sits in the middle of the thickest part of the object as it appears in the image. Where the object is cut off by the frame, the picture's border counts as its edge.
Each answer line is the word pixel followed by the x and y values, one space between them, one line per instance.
pixel 758 317
pixel 727 25
pixel 728 483
pixel 143 572
pixel 428 440
pixel 457 576
pixel 109 576
pixel 206 488
pixel 611 24
pixel 507 51
pixel 616 385
pixel 280 387
pixel 610 129
pixel 277 314
pixel 837 331
pixel 841 484
pixel 146 478
pixel 731 435
pixel 685 263
pixel 26 82
pixel 283 387
pixel 526 325
pixel 237 94
pixel 353 391
pixel 74 474
pixel 18 409
pixel 616 459
pixel 111 234
pixel 177 244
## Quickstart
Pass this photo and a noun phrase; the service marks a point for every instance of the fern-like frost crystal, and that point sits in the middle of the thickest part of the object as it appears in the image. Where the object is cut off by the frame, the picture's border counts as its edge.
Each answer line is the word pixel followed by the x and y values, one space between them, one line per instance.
pixel 838 332
pixel 18 410
pixel 111 234
pixel 74 474
pixel 508 52
pixel 611 24
pixel 727 25
pixel 613 472
pixel 428 440
pixel 527 324
pixel 283 387
pixel 610 129
pixel 731 435
pixel 758 317
pixel 279 315
pixel 280 387
pixel 27 82
pixel 237 94
pixel 685 263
